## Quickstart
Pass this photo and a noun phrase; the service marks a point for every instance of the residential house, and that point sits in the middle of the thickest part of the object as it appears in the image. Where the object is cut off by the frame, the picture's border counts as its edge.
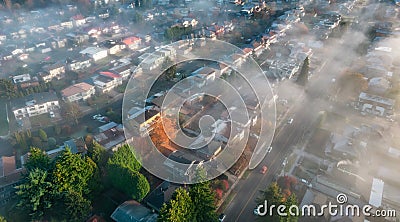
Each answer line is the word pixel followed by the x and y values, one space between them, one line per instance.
pixel 152 61
pixel 96 53
pixel 34 104
pixel 162 194
pixel 133 211
pixel 81 62
pixel 143 119
pixel 21 78
pixel 58 42
pixel 78 92
pixel 110 136
pixel 44 49
pixel 106 81
pixel 132 42
pixel 67 24
pixel 78 20
pixel 76 38
pixel 124 70
pixel 113 47
pixel 376 105
pixel 76 146
pixel 10 177
pixel 53 71
pixel 378 85
pixel 163 2
pixel 205 72
pixel 189 22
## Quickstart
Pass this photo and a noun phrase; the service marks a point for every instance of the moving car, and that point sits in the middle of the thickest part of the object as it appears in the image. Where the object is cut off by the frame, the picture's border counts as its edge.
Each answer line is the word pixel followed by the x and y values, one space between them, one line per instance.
pixel 290 121
pixel 264 169
pixel 269 149
pixel 52 115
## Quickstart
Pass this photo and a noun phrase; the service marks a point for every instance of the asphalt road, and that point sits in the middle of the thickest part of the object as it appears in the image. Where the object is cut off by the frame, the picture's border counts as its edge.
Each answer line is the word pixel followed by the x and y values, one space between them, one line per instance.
pixel 242 206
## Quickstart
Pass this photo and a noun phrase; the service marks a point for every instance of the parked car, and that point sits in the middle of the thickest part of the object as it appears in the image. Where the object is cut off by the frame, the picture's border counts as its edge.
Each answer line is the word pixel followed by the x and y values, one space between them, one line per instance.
pixel 255 211
pixel 221 217
pixel 290 121
pixel 97 116
pixel 269 149
pixel 52 115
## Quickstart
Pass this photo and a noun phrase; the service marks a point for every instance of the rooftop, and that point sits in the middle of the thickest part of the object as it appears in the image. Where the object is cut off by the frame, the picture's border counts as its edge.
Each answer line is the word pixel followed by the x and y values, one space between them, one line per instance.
pixel 32 99
pixel 75 89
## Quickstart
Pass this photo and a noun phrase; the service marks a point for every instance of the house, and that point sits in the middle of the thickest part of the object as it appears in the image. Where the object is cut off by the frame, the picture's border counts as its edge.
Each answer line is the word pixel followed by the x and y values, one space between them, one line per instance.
pixel 21 78
pixel 96 53
pixel 76 38
pixel 113 46
pixel 379 85
pixel 375 105
pixel 143 119
pixel 10 177
pixel 78 92
pixel 162 194
pixel 52 71
pixel 58 42
pixel 132 42
pixel 152 61
pixel 205 72
pixel 78 20
pixel 133 211
pixel 124 70
pixel 23 56
pixel 110 136
pixel 44 49
pixel 187 22
pixel 82 62
pixel 163 2
pixel 76 146
pixel 67 24
pixel 34 104
pixel 106 81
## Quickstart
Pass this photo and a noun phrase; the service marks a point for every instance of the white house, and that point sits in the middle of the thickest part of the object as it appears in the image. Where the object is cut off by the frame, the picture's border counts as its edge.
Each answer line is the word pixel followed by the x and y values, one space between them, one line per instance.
pixel 106 81
pixel 34 104
pixel 96 53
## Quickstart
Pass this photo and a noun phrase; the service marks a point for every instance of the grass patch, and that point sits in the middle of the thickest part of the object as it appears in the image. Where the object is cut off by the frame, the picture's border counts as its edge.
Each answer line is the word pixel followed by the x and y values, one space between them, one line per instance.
pixel 228 199
pixel 41 120
pixel 246 174
pixel 4 127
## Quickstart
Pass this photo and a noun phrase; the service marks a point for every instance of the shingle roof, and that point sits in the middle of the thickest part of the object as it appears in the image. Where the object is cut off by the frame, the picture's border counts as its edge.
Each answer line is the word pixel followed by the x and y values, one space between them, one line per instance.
pixel 75 89
pixel 40 98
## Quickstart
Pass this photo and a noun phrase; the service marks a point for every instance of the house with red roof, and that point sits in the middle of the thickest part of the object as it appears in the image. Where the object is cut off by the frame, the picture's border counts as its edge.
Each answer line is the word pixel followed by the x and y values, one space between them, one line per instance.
pixel 132 42
pixel 106 81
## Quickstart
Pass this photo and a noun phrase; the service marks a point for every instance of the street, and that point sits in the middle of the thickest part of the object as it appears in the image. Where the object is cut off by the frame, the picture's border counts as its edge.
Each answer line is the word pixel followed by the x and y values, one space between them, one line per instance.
pixel 247 190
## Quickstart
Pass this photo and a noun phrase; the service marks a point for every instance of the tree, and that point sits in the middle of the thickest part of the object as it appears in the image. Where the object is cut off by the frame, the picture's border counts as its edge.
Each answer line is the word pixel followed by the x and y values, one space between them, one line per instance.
pixel 43 135
pixel 125 157
pixel 179 209
pixel 2 219
pixel 204 202
pixel 302 79
pixel 35 193
pixel 98 154
pixel 52 142
pixel 77 207
pixel 170 68
pixel 72 172
pixel 38 159
pixel 274 197
pixel 71 112
pixel 132 183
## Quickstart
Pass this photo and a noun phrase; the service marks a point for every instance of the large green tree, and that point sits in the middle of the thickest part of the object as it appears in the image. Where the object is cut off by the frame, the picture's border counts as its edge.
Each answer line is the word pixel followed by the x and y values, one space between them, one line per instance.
pixel 274 196
pixel 203 200
pixel 132 183
pixel 35 193
pixel 76 206
pixel 72 172
pixel 302 79
pixel 125 157
pixel 179 209
pixel 37 159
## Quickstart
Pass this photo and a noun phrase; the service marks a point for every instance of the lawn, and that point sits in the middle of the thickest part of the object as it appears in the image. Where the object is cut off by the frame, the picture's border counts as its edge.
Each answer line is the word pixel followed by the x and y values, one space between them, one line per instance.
pixel 4 127
pixel 41 121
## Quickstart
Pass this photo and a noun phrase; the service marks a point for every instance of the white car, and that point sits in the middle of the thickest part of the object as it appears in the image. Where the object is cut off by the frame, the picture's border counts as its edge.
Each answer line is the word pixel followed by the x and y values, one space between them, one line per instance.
pixel 269 149
pixel 290 121
pixel 52 115
pixel 97 116
pixel 255 211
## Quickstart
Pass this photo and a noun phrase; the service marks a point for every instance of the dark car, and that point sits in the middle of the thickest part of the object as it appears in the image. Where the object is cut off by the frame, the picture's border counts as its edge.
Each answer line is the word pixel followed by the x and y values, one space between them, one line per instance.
pixel 221 217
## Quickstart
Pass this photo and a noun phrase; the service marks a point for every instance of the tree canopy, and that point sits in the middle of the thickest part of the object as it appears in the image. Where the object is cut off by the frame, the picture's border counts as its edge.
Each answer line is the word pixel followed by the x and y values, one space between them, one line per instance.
pixel 38 159
pixel 179 209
